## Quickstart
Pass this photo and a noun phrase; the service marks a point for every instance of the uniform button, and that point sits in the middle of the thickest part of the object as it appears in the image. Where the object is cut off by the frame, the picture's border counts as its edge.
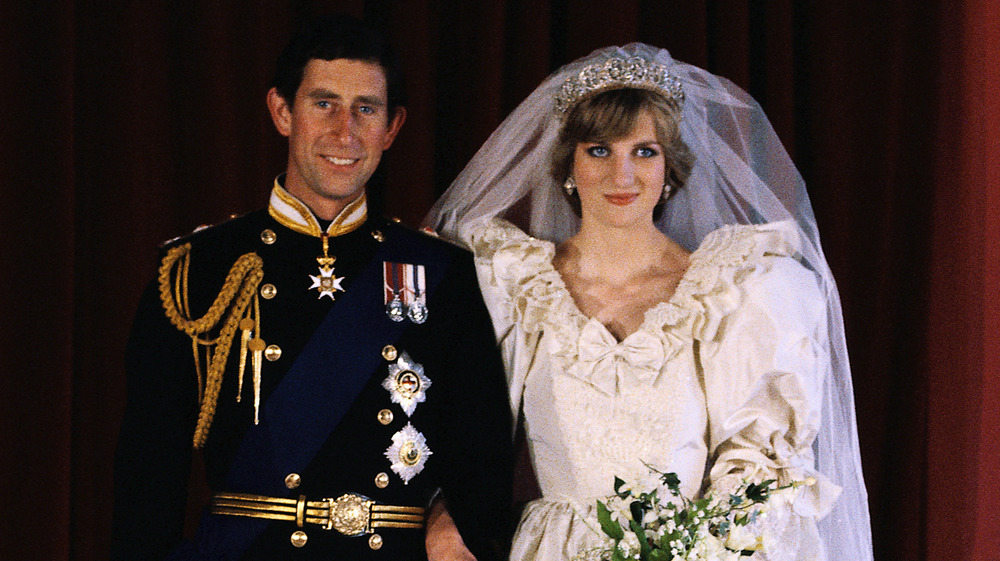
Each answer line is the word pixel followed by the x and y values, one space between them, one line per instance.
pixel 389 352
pixel 382 480
pixel 293 480
pixel 272 352
pixel 377 234
pixel 385 416
pixel 268 291
pixel 299 538
pixel 375 542
pixel 268 236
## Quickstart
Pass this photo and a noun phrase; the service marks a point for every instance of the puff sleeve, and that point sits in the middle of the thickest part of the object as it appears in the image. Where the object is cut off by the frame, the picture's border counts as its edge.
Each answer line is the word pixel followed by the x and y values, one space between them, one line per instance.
pixel 763 369
pixel 514 287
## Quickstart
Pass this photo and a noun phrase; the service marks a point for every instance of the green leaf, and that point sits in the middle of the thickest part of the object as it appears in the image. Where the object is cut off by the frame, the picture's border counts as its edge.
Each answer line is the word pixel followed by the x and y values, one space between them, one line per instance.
pixel 757 493
pixel 616 555
pixel 637 509
pixel 671 480
pixel 618 483
pixel 660 555
pixel 608 526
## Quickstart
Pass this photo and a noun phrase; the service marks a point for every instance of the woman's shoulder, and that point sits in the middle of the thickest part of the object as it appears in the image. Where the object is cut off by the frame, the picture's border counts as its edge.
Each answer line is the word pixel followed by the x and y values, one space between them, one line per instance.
pixel 748 245
pixel 741 264
pixel 507 251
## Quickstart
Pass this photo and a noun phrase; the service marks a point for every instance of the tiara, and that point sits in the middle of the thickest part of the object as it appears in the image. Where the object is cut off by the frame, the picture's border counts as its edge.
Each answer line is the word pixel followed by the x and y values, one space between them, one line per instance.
pixel 617 73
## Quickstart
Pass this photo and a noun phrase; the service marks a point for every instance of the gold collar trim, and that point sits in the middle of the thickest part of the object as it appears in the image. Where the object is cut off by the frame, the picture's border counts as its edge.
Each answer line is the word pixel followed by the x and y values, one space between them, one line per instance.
pixel 295 215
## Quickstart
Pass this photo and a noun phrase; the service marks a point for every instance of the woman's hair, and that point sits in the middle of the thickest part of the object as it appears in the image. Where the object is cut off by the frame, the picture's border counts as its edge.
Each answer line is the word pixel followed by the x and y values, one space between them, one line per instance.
pixel 611 115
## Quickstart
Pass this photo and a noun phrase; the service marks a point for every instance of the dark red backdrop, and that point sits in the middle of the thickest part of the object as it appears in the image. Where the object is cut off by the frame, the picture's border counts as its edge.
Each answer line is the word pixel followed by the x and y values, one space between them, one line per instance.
pixel 127 123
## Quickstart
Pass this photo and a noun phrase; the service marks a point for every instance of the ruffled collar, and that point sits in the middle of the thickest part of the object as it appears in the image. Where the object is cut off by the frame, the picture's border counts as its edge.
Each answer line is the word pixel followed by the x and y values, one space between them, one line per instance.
pixel 541 301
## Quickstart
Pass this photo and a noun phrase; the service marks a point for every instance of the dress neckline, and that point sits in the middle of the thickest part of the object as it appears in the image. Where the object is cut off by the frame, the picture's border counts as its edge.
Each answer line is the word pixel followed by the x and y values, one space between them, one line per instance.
pixel 684 285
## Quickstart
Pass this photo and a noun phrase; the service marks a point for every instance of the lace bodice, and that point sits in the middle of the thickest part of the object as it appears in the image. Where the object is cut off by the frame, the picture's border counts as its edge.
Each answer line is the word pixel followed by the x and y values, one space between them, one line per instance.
pixel 719 382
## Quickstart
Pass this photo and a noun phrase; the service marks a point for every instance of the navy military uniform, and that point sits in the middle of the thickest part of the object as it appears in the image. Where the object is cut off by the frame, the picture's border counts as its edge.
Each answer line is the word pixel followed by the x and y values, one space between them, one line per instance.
pixel 454 441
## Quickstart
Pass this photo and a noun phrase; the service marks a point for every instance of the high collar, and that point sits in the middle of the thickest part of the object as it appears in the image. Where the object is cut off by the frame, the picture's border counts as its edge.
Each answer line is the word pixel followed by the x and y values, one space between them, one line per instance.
pixel 292 213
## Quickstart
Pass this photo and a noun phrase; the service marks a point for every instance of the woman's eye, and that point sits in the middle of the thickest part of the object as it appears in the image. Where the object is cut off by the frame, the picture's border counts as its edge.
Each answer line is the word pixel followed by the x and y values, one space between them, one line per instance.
pixel 647 152
pixel 598 151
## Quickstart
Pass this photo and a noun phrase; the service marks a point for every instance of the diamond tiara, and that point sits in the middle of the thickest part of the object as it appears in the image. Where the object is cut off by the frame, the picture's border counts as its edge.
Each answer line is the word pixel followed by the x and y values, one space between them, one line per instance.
pixel 617 73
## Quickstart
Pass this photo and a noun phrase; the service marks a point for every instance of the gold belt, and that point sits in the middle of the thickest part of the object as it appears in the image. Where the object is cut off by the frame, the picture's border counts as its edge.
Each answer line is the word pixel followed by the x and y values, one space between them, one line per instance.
pixel 350 514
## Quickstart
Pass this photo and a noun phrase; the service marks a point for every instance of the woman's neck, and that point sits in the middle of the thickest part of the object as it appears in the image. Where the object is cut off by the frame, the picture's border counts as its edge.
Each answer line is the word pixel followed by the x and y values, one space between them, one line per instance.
pixel 618 254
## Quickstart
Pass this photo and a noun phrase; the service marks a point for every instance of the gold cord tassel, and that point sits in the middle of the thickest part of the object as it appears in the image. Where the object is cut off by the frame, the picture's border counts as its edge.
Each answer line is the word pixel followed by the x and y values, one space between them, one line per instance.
pixel 225 314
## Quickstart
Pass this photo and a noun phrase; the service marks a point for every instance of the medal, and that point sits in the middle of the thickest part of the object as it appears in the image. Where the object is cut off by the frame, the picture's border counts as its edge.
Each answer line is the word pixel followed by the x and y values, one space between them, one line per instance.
pixel 394 309
pixel 405 292
pixel 418 309
pixel 326 282
pixel 406 383
pixel 408 453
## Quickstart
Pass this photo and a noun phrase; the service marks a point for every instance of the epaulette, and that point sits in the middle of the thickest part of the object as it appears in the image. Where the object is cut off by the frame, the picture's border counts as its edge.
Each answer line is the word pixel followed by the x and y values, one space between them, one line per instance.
pixel 194 233
pixel 234 312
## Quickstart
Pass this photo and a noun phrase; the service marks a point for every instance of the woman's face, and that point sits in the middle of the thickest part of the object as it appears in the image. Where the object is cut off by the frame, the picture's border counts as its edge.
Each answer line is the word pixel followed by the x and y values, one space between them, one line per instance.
pixel 620 182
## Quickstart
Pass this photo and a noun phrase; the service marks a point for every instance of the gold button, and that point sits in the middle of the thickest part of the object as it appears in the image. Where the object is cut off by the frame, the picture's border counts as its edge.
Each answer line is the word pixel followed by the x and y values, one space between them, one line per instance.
pixel 268 236
pixel 377 234
pixel 247 324
pixel 375 542
pixel 382 480
pixel 272 352
pixel 293 480
pixel 389 352
pixel 256 344
pixel 385 416
pixel 268 291
pixel 299 538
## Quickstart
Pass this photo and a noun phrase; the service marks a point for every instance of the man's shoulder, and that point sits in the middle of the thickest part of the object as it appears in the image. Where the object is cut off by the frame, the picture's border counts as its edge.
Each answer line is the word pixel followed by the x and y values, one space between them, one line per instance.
pixel 426 240
pixel 231 234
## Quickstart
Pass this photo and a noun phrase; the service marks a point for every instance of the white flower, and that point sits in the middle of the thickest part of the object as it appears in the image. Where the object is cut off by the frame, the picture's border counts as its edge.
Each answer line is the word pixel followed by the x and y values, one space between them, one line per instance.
pixel 742 538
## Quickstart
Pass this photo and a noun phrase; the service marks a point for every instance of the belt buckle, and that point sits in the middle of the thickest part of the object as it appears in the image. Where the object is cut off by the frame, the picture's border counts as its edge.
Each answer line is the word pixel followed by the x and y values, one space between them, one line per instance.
pixel 349 514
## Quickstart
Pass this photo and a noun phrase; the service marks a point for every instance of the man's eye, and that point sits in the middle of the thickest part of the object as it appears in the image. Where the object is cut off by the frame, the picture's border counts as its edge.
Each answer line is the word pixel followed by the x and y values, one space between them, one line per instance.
pixel 323 104
pixel 366 110
pixel 598 151
pixel 647 152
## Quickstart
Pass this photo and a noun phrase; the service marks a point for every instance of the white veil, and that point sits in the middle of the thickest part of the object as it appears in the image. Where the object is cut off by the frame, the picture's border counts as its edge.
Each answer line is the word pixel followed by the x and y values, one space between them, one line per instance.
pixel 742 175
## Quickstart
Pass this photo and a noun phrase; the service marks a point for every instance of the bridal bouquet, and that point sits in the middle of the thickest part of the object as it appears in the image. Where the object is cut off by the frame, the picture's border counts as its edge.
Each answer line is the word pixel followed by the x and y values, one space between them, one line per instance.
pixel 652 521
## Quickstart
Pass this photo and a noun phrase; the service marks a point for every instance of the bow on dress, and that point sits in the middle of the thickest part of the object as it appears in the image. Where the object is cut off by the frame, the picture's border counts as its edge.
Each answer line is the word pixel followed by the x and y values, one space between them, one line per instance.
pixel 608 364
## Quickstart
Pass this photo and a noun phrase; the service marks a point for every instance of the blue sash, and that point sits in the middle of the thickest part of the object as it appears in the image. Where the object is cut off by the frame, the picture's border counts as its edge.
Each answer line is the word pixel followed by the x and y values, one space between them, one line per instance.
pixel 313 396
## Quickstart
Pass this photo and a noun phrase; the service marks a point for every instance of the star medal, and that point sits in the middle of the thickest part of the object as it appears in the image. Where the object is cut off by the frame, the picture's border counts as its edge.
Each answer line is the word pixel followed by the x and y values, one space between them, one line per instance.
pixel 407 384
pixel 408 453
pixel 326 282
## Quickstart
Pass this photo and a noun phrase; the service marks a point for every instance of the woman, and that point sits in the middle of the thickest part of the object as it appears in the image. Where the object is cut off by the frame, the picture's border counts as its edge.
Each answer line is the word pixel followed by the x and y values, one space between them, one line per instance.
pixel 665 301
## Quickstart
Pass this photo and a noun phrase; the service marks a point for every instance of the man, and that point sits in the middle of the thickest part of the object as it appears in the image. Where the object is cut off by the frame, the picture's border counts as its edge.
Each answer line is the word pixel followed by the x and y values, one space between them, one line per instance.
pixel 339 371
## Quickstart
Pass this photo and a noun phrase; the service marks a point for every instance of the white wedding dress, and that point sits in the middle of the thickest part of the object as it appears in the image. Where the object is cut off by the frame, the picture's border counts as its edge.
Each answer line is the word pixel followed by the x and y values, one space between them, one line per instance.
pixel 720 382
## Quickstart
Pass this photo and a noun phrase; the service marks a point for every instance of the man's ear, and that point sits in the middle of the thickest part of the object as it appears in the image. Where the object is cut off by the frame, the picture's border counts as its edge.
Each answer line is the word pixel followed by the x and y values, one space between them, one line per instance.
pixel 396 123
pixel 281 112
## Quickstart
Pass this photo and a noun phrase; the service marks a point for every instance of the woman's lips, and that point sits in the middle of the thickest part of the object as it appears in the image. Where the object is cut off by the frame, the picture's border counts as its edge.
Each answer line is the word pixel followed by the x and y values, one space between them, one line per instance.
pixel 621 199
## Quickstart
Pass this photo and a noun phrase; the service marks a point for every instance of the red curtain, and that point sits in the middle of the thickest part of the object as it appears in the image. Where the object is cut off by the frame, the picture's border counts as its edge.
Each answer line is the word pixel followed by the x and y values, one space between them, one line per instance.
pixel 126 123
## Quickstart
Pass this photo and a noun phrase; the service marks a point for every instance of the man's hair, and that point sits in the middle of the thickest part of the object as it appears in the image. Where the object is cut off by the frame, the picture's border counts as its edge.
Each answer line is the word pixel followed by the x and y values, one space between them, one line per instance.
pixel 337 37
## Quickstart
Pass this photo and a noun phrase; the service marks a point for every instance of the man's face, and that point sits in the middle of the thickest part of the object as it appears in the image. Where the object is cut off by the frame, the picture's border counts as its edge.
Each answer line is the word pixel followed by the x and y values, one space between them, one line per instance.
pixel 337 130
